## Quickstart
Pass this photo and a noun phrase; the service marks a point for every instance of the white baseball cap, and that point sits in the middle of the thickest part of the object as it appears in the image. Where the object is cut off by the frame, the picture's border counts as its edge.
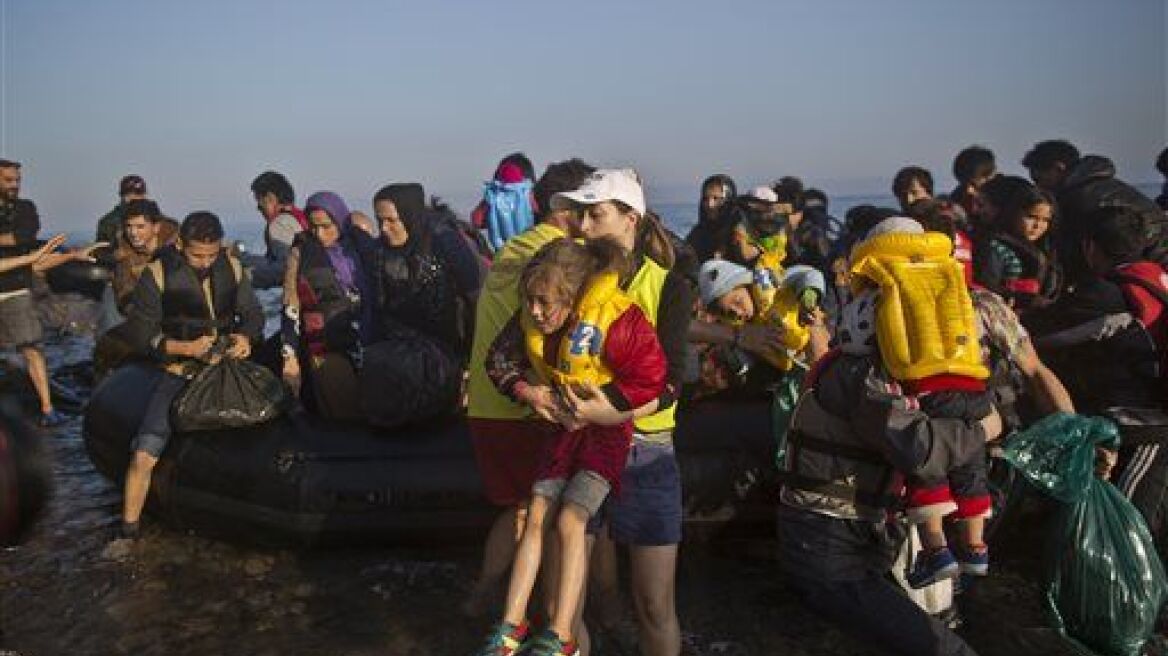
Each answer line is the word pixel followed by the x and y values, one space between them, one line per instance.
pixel 605 185
pixel 763 194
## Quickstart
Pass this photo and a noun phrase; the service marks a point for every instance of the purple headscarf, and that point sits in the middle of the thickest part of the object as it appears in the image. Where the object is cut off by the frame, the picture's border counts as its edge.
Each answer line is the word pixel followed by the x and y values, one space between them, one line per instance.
pixel 344 264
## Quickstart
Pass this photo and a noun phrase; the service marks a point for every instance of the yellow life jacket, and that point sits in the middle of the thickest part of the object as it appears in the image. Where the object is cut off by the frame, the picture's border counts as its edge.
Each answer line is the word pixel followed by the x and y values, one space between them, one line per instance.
pixel 579 359
pixel 645 289
pixel 768 271
pixel 925 321
pixel 783 312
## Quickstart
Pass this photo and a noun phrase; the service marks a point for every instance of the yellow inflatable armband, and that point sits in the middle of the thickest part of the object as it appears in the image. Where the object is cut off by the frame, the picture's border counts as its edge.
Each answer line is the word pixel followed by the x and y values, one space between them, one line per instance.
pixel 925 321
pixel 579 357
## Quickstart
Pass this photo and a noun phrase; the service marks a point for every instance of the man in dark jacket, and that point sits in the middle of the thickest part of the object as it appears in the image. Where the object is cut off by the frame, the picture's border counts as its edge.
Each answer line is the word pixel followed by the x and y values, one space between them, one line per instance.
pixel 851 440
pixel 1082 186
pixel 1107 341
pixel 186 300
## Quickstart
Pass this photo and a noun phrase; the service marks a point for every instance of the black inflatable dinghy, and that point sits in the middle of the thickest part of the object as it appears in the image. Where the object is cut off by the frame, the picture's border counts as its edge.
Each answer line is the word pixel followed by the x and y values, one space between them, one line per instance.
pixel 300 480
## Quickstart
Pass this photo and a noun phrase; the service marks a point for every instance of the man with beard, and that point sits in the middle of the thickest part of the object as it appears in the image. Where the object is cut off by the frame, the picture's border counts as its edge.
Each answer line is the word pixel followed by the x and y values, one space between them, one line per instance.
pixel 190 297
pixel 706 237
pixel 20 327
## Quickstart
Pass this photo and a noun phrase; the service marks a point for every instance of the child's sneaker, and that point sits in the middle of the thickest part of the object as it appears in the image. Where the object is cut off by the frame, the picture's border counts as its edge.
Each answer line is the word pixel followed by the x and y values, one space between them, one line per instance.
pixel 931 566
pixel 975 560
pixel 505 639
pixel 547 643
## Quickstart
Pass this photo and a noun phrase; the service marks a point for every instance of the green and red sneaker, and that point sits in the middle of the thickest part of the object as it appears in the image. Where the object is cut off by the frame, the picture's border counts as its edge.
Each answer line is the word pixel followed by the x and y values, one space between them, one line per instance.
pixel 506 639
pixel 547 643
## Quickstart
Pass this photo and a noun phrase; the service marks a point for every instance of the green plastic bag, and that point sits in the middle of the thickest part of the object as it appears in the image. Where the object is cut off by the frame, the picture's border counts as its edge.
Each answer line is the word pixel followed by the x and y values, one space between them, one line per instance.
pixel 1106 584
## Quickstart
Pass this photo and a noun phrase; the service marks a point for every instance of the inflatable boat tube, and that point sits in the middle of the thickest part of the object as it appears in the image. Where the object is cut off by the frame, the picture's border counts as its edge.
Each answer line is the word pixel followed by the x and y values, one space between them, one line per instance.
pixel 86 278
pixel 301 481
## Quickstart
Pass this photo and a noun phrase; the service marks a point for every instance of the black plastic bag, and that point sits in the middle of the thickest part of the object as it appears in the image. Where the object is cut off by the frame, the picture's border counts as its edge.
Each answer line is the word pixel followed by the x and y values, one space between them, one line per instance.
pixel 1106 584
pixel 408 378
pixel 229 394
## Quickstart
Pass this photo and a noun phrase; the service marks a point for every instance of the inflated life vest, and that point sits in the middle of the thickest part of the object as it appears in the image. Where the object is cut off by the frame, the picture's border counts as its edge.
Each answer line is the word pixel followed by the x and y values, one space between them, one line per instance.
pixel 580 356
pixel 827 469
pixel 645 289
pixel 192 308
pixel 925 322
pixel 328 313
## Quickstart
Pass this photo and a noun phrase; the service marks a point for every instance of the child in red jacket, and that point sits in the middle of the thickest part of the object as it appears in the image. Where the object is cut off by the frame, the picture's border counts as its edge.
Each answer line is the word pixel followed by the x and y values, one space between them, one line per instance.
pixel 577 330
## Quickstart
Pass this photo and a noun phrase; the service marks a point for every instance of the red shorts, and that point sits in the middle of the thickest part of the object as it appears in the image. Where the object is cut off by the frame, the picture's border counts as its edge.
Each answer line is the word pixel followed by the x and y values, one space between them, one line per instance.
pixel 508 453
pixel 599 449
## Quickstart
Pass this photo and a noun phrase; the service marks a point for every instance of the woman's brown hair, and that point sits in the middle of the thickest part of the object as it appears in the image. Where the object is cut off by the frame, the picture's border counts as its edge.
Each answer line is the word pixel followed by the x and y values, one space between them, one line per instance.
pixel 566 266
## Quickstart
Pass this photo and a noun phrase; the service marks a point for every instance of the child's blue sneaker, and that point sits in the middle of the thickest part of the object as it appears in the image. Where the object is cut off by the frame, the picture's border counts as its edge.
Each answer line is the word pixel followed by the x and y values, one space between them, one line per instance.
pixel 931 566
pixel 975 560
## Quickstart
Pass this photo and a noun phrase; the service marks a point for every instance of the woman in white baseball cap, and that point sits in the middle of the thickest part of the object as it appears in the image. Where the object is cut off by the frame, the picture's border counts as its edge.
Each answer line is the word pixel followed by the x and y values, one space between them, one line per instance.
pixel 647 515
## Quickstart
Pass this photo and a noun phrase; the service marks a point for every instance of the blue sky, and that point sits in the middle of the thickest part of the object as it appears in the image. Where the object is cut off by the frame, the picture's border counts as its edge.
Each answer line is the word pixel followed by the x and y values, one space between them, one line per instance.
pixel 348 95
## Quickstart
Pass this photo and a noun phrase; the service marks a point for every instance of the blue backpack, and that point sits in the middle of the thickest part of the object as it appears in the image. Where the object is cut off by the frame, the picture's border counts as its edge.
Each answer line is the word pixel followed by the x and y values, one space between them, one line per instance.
pixel 509 210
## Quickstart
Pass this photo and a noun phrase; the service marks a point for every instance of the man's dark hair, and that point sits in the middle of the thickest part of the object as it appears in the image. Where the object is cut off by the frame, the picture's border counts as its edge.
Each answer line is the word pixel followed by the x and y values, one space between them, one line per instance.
pixel 815 196
pixel 906 176
pixel 1001 190
pixel 937 215
pixel 9 164
pixel 1119 231
pixel 789 189
pixel 143 207
pixel 520 160
pixel 567 175
pixel 862 218
pixel 1045 154
pixel 270 182
pixel 1162 163
pixel 973 162
pixel 201 227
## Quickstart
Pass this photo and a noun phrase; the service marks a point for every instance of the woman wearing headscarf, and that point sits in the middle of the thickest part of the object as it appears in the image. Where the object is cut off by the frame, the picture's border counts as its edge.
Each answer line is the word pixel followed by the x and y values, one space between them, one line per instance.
pixel 425 277
pixel 328 309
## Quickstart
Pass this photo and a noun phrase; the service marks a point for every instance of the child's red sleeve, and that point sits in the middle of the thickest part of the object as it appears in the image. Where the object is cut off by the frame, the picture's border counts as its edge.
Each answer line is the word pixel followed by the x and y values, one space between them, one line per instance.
pixel 636 359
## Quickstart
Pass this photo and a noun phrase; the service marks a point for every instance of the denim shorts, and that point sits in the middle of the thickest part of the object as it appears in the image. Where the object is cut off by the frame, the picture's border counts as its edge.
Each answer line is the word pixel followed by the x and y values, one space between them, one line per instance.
pixel 155 430
pixel 647 511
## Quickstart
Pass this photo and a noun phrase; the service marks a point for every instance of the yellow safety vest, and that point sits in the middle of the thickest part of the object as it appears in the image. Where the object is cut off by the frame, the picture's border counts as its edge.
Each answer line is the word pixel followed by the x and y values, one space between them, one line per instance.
pixel 497 303
pixel 645 290
pixel 579 359
pixel 925 321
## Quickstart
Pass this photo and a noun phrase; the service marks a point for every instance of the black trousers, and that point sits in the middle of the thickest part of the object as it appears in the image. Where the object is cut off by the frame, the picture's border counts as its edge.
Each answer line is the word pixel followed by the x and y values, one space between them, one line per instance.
pixel 839 568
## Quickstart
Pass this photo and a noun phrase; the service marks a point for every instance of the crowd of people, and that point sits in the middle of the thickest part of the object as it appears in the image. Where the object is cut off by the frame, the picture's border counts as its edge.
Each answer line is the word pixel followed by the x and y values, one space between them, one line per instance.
pixel 568 324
